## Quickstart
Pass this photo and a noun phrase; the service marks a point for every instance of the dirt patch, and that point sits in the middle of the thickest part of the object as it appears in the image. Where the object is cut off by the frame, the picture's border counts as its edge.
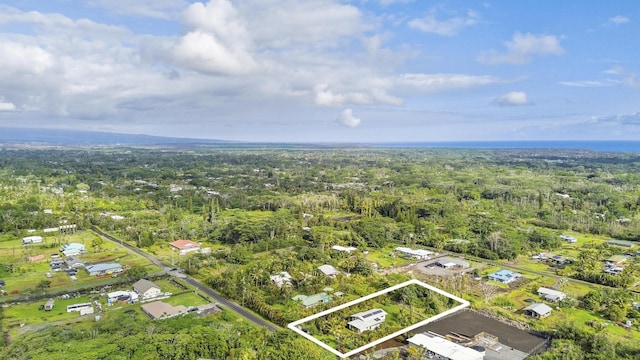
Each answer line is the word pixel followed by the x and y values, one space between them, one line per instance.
pixel 469 323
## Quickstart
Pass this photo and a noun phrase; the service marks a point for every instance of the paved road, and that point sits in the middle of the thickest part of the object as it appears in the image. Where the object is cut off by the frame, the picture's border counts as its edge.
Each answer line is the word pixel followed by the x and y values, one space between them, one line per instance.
pixel 225 302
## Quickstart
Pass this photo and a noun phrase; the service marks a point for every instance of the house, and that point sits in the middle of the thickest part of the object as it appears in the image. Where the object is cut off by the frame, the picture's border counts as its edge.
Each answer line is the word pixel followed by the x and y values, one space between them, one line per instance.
pixel 558 260
pixel 451 263
pixel 122 296
pixel 569 239
pixel 31 240
pixel 103 269
pixel 623 243
pixel 117 217
pixel 504 276
pixel 312 300
pixel 551 295
pixel 73 262
pixel 161 310
pixel 281 278
pixel 440 348
pixel 146 289
pixel 328 270
pixel 367 320
pixel 72 249
pixel 614 270
pixel 348 249
pixel 207 309
pixel 185 246
pixel 615 260
pixel 418 254
pixel 48 306
pixel 538 311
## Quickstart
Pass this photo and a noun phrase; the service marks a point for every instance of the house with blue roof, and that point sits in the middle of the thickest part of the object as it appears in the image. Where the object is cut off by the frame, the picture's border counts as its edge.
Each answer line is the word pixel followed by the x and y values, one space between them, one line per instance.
pixel 73 249
pixel 504 276
pixel 104 269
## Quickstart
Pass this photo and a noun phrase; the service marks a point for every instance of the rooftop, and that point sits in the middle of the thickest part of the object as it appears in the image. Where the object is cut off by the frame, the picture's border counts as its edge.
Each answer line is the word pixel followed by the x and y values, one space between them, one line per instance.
pixel 184 244
pixel 159 309
pixel 445 348
pixel 328 270
pixel 141 286
pixel 540 309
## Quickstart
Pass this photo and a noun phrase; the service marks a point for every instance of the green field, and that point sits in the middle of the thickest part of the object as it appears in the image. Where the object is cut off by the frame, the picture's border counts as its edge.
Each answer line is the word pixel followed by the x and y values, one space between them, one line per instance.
pixel 26 276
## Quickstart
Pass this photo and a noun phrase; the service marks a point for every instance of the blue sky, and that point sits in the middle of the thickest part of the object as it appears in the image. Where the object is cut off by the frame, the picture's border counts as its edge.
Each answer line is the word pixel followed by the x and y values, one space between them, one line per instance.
pixel 324 70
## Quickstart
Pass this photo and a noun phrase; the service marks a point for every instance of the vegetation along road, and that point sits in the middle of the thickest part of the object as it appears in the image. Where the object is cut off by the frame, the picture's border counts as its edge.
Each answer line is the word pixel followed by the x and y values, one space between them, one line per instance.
pixel 229 304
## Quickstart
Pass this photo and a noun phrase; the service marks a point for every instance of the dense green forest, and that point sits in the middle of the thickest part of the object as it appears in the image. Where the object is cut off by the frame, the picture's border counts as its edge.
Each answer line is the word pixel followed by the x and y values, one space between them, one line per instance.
pixel 264 211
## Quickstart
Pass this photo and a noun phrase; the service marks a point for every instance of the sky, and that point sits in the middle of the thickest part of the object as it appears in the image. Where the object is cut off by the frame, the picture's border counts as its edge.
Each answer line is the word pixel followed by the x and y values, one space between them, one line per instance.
pixel 324 70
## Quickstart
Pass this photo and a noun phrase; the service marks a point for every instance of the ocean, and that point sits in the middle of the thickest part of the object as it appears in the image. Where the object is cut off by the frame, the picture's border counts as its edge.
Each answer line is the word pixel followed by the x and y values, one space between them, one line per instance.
pixel 600 146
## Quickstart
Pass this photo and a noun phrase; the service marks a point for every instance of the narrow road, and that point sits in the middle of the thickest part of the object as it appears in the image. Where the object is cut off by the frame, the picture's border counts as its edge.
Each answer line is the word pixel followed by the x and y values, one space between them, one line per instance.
pixel 224 301
pixel 231 305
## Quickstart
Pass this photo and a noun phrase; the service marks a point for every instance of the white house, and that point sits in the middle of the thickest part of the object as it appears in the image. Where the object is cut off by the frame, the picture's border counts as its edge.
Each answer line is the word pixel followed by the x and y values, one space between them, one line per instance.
pixel 185 246
pixel 31 240
pixel 281 278
pixel 569 239
pixel 450 263
pixel 418 254
pixel 328 270
pixel 348 249
pixel 551 295
pixel 367 320
pixel 538 311
pixel 146 289
pixel 440 348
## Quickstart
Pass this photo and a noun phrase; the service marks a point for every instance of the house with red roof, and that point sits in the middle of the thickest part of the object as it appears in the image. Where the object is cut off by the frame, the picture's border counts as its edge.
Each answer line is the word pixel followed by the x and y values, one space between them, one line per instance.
pixel 185 246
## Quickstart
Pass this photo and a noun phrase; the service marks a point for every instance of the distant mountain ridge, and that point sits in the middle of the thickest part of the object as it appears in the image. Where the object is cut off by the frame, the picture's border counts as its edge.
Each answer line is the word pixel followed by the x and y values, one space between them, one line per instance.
pixel 78 137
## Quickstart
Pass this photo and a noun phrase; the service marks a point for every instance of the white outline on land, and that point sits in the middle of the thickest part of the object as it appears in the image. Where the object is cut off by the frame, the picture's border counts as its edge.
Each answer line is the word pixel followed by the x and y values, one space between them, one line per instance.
pixel 294 325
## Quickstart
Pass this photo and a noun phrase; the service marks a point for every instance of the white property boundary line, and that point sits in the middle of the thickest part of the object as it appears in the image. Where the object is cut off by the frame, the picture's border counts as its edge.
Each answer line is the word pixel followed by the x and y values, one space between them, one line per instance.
pixel 294 325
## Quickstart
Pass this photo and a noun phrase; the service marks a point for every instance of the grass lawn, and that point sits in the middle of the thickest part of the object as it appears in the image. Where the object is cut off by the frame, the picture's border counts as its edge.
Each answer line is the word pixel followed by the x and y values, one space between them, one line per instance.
pixel 28 313
pixel 498 284
pixel 28 275
pixel 186 299
pixel 167 286
pixel 580 317
pixel 384 258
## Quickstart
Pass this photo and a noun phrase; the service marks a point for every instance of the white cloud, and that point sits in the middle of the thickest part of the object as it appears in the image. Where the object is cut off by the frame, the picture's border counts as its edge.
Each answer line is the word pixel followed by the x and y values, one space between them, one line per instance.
pixel 6 106
pixel 522 48
pixel 325 97
pixel 162 9
pixel 619 19
pixel 218 42
pixel 623 76
pixel 632 119
pixel 24 58
pixel 584 83
pixel 347 119
pixel 448 27
pixel 444 82
pixel 389 2
pixel 514 98
pixel 312 23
